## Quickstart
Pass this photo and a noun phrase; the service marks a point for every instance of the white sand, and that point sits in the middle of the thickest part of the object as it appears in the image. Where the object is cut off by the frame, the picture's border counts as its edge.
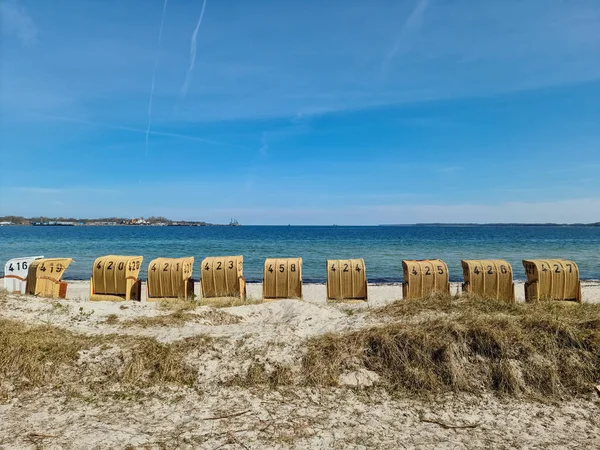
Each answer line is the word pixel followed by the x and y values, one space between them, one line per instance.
pixel 304 418
pixel 379 294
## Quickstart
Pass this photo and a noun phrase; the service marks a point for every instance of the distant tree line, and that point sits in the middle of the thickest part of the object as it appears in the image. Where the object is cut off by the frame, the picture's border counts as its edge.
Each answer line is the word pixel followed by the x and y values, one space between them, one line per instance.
pixel 595 224
pixel 20 220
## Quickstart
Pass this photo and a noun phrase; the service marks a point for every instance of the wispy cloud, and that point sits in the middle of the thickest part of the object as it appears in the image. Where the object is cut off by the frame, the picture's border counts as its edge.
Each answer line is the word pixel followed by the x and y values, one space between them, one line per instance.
pixel 298 118
pixel 16 20
pixel 38 190
pixel 516 212
pixel 449 169
pixel 132 129
pixel 190 71
pixel 264 148
pixel 160 30
pixel 411 25
pixel 580 210
pixel 515 46
pixel 41 190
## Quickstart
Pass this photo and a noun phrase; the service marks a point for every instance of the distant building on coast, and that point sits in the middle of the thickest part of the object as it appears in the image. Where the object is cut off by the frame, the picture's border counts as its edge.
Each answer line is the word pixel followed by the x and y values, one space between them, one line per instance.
pixel 53 224
pixel 103 222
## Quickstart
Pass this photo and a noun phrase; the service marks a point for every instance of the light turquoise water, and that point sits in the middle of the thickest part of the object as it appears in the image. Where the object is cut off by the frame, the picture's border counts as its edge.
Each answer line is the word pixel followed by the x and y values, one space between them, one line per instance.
pixel 383 248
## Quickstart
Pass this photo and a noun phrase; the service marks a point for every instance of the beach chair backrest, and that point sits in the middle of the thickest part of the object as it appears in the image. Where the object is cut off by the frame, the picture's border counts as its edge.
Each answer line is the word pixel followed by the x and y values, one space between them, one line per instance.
pixel 15 274
pixel 223 276
pixel 490 278
pixel 116 276
pixel 552 279
pixel 282 278
pixel 44 277
pixel 346 279
pixel 424 277
pixel 170 278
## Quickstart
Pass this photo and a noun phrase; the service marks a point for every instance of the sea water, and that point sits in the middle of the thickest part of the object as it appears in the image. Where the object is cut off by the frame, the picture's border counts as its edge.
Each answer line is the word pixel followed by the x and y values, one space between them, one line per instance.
pixel 383 248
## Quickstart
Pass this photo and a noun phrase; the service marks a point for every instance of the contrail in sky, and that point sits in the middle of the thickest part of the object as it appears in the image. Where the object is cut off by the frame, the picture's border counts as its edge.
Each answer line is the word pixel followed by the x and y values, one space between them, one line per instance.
pixel 409 28
pixel 188 76
pixel 132 129
pixel 162 21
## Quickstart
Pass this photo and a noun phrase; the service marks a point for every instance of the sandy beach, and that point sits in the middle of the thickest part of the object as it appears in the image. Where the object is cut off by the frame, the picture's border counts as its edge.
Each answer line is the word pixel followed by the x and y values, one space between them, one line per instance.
pixel 282 154
pixel 223 412
pixel 379 294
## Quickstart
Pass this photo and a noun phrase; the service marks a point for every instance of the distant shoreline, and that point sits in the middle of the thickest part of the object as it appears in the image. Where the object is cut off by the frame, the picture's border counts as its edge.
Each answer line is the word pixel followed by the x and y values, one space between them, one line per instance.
pixel 107 222
pixel 204 224
pixel 10 220
pixel 595 224
pixel 111 225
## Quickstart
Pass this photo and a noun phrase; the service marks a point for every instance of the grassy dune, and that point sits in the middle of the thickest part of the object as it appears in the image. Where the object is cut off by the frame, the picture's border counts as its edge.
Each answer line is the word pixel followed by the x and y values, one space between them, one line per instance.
pixel 54 358
pixel 419 347
pixel 475 345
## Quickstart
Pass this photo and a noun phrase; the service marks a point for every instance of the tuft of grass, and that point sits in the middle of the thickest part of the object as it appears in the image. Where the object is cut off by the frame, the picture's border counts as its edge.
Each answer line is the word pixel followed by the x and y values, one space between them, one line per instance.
pixel 60 308
pixel 177 305
pixel 469 344
pixel 112 319
pixel 180 317
pixel 175 319
pixel 33 356
pixel 216 317
pixel 259 374
pixel 82 316
pixel 228 302
pixel 36 356
pixel 151 362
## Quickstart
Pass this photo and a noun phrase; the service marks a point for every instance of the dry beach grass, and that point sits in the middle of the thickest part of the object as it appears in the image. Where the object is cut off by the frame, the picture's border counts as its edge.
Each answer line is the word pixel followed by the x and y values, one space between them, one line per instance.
pixel 425 346
pixel 56 359
pixel 470 344
pixel 440 372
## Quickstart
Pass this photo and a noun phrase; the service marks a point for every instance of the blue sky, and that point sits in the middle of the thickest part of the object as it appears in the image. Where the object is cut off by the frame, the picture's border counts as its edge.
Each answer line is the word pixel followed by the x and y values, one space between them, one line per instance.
pixel 302 112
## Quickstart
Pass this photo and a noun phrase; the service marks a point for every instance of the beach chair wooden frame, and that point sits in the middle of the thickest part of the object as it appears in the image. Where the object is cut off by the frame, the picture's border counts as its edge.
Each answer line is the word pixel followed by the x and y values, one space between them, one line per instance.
pixel 15 274
pixel 424 277
pixel 552 280
pixel 346 280
pixel 115 278
pixel 44 278
pixel 223 277
pixel 489 278
pixel 282 279
pixel 170 278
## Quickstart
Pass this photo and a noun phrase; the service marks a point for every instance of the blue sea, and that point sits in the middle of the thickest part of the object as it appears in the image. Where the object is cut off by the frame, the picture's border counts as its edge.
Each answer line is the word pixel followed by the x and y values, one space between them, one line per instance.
pixel 383 248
